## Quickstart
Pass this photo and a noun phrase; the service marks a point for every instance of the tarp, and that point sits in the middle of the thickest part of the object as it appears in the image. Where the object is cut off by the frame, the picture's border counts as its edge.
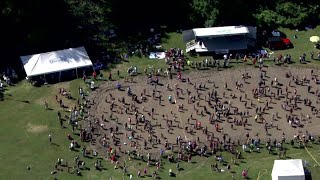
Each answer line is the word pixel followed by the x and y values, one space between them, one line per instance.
pixel 263 52
pixel 55 61
pixel 314 39
pixel 291 169
pixel 157 55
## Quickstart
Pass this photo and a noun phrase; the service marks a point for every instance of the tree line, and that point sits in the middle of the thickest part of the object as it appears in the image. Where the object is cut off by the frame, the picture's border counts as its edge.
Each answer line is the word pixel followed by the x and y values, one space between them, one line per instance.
pixel 35 26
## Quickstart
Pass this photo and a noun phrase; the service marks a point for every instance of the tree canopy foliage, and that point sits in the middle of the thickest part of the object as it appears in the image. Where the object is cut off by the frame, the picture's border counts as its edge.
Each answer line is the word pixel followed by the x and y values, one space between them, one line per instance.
pixel 43 25
pixel 292 14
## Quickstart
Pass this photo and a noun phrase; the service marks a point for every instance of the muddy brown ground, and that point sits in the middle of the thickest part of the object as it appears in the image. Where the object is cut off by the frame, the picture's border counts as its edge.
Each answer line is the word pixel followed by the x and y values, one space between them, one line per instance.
pixel 230 76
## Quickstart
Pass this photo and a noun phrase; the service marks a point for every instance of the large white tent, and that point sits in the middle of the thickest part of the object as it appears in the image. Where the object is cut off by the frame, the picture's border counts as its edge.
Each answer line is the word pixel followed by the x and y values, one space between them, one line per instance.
pixel 220 31
pixel 291 169
pixel 56 61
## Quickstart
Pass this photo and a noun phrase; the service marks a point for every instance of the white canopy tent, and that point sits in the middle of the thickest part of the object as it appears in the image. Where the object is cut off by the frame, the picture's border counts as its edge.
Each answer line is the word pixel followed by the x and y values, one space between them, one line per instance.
pixel 291 169
pixel 56 61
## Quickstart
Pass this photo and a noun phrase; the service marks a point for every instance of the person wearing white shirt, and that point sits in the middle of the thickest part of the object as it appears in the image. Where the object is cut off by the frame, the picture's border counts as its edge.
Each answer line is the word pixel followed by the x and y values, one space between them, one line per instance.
pixel 92 85
pixel 225 57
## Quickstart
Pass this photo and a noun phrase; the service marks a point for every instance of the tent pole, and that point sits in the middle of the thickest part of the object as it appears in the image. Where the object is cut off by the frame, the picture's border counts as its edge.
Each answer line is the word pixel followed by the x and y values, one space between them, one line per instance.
pixel 59 75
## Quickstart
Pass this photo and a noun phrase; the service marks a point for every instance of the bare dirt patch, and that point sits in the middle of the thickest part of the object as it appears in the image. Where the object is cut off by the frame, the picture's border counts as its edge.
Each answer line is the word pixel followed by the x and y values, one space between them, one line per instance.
pixel 32 128
pixel 167 122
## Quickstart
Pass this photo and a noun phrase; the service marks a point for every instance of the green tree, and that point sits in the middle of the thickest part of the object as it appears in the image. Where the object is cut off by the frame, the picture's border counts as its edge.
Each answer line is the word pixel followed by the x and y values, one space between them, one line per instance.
pixel 91 21
pixel 290 14
pixel 237 12
pixel 293 14
pixel 205 12
pixel 267 18
pixel 32 26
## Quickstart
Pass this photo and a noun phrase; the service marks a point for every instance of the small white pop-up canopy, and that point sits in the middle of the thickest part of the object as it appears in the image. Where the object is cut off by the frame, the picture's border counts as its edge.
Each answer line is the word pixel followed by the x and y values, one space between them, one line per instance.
pixel 291 169
pixel 56 61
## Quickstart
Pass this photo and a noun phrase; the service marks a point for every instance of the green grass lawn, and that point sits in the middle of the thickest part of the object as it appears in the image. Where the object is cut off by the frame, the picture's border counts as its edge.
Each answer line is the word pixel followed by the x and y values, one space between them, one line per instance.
pixel 301 45
pixel 25 126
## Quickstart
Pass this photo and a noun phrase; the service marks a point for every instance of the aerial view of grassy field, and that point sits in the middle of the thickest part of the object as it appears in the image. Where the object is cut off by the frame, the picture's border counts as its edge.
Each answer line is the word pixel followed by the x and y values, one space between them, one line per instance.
pixel 27 126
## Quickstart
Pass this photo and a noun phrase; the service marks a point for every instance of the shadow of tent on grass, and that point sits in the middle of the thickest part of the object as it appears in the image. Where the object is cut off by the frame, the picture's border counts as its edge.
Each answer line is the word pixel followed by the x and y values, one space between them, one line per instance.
pixel 1 96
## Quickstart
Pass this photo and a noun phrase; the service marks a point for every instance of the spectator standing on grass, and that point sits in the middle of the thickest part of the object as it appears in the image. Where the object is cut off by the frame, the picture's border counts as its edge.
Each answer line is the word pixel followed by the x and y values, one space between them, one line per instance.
pixel 94 74
pixel 46 105
pixel 84 152
pixel 125 170
pixel 244 174
pixel 50 138
pixel 145 171
pixel 139 173
pixel 61 122
pixel 60 119
pixel 1 85
pixel 84 77
pixel 59 115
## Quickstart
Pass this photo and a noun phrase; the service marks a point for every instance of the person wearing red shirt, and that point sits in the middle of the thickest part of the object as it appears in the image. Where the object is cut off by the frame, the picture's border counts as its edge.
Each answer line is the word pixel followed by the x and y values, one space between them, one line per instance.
pixel 94 74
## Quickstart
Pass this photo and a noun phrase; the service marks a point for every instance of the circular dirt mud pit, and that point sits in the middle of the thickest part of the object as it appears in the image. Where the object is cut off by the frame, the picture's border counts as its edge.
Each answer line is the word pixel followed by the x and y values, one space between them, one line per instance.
pixel 215 107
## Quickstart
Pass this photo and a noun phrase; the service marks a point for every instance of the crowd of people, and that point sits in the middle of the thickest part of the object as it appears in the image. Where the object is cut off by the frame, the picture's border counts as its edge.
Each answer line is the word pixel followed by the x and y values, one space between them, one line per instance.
pixel 177 116
pixel 147 133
